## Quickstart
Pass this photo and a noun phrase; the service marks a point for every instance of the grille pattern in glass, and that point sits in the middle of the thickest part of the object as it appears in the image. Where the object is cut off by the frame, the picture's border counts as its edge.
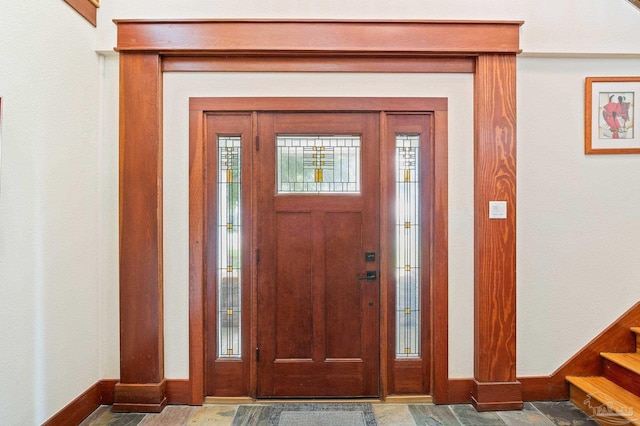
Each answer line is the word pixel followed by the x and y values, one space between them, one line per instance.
pixel 408 231
pixel 229 246
pixel 318 164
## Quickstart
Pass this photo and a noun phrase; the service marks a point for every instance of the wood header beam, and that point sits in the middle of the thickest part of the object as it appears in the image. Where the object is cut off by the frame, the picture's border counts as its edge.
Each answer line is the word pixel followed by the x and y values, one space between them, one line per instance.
pixel 275 37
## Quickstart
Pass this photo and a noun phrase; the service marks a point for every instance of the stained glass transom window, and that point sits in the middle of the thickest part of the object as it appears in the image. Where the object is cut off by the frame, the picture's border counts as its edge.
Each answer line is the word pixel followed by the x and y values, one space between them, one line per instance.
pixel 318 164
pixel 229 247
pixel 408 246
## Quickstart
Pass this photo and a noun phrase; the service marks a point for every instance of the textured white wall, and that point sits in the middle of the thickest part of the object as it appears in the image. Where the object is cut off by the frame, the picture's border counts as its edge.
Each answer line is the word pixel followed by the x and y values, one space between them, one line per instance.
pixel 178 87
pixel 50 302
pixel 578 216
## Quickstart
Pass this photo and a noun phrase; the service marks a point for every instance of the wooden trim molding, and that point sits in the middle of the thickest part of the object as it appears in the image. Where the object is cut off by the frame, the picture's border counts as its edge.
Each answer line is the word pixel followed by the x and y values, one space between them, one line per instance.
pixel 78 409
pixel 140 397
pixel 283 37
pixel 534 388
pixel 86 8
pixel 248 63
pixel 179 393
pixel 495 384
pixel 354 46
pixel 141 291
pixel 440 266
pixel 102 393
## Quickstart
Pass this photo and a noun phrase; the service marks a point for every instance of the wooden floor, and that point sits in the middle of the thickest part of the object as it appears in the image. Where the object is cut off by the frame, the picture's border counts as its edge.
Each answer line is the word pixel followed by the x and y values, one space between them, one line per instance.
pixel 537 413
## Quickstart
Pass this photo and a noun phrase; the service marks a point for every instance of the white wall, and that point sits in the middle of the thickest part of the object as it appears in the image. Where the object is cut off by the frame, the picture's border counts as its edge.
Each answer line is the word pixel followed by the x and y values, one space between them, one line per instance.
pixel 178 87
pixel 578 234
pixel 578 231
pixel 578 227
pixel 50 307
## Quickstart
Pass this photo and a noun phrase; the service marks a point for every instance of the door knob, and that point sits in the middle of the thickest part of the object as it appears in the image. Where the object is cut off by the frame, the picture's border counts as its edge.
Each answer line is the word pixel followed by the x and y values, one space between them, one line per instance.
pixel 370 276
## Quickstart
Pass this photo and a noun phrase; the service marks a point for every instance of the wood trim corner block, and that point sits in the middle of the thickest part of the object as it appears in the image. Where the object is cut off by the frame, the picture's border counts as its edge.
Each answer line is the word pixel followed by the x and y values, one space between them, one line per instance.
pixel 142 398
pixel 493 396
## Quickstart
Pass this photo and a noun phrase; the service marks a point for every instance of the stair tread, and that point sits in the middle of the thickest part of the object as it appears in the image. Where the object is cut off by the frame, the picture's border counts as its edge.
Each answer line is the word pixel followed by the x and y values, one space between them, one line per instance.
pixel 635 330
pixel 630 361
pixel 608 393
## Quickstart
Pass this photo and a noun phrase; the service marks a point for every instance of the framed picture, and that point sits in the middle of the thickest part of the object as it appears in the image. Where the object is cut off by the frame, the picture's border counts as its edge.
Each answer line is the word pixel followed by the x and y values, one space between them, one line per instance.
pixel 610 115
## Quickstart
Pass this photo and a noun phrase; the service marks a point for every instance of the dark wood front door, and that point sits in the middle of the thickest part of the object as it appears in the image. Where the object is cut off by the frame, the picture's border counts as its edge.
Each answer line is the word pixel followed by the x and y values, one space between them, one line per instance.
pixel 317 187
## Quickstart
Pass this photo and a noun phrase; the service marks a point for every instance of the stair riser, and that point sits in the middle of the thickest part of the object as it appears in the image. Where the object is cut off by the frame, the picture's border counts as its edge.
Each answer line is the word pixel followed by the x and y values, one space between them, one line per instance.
pixel 588 405
pixel 622 377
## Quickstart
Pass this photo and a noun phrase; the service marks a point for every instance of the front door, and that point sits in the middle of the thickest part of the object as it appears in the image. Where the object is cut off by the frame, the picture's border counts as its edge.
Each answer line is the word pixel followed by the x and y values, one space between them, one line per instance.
pixel 317 241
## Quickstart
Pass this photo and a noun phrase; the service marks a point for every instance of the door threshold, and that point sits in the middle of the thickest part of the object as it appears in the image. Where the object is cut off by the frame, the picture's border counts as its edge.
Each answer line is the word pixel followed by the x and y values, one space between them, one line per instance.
pixel 409 399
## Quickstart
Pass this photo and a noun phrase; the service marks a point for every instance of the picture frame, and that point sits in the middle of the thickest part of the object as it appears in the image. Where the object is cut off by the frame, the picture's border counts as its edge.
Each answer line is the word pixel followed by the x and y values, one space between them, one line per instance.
pixel 610 115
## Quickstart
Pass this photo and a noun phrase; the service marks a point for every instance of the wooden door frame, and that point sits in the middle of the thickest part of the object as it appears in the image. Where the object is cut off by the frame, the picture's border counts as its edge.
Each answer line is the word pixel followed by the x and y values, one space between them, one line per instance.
pixel 199 108
pixel 148 48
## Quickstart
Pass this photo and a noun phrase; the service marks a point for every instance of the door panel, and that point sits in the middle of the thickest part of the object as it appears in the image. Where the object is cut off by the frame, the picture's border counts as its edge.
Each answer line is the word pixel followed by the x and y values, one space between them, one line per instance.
pixel 343 301
pixel 294 269
pixel 318 322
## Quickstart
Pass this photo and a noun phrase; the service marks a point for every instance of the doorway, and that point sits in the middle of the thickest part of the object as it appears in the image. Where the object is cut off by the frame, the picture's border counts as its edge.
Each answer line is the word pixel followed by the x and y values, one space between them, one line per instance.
pixel 317 213
pixel 319 230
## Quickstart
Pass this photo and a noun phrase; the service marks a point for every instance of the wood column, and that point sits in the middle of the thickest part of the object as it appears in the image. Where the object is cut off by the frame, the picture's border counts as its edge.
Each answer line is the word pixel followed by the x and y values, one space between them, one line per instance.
pixel 142 386
pixel 495 385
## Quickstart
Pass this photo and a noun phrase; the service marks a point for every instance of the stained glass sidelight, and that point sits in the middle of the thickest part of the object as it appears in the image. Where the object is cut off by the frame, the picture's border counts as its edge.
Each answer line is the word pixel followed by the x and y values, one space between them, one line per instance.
pixel 318 164
pixel 229 246
pixel 407 261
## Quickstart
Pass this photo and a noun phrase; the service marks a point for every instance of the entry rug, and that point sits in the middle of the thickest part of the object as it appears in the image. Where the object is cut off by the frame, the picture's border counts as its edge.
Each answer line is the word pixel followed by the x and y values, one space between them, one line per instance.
pixel 306 414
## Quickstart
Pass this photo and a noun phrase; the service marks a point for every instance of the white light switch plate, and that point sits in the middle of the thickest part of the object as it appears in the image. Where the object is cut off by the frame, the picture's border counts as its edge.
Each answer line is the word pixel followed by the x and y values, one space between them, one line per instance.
pixel 497 209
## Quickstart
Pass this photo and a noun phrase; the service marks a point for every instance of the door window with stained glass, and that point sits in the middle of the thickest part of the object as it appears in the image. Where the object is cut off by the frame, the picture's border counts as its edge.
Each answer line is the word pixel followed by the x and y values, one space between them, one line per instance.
pixel 318 164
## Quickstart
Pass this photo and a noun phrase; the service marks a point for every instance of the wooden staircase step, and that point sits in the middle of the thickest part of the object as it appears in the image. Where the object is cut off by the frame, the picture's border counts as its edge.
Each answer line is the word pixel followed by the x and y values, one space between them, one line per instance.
pixel 630 361
pixel 605 401
pixel 623 369
pixel 637 331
